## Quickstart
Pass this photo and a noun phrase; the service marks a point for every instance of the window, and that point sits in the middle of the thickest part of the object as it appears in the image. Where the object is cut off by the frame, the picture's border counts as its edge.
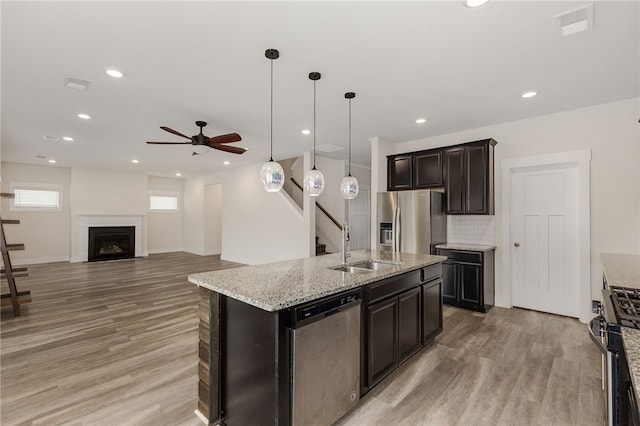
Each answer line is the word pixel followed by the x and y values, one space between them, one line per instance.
pixel 35 196
pixel 166 201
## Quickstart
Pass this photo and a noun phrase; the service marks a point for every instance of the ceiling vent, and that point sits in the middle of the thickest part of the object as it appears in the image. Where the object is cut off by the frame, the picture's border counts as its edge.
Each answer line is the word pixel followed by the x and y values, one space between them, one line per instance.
pixel 576 20
pixel 77 83
pixel 328 148
pixel 50 138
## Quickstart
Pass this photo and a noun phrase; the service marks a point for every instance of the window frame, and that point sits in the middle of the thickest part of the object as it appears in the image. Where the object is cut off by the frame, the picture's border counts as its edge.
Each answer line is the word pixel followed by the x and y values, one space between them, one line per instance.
pixel 173 194
pixel 35 186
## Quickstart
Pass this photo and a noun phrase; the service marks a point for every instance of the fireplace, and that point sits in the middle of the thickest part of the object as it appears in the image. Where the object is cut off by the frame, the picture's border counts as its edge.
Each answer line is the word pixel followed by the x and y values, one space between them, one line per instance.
pixel 111 242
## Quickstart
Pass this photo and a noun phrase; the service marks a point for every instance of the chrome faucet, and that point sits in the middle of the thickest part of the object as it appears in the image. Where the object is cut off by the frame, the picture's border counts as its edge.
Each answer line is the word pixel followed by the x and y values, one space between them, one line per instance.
pixel 345 243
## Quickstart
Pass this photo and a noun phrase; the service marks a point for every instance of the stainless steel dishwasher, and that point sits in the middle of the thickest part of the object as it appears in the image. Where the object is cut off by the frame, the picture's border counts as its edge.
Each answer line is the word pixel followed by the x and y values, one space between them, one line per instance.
pixel 325 358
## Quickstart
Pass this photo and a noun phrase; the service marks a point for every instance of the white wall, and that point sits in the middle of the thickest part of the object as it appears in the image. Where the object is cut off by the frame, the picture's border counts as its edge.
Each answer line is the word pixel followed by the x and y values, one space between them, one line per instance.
pixel 212 219
pixel 380 148
pixel 44 234
pixel 165 228
pixel 258 227
pixel 611 132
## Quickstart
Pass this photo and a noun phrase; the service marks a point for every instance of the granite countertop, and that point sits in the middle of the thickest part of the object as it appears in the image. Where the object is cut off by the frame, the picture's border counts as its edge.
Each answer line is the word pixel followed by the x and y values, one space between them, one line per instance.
pixel 621 270
pixel 466 247
pixel 280 285
pixel 631 343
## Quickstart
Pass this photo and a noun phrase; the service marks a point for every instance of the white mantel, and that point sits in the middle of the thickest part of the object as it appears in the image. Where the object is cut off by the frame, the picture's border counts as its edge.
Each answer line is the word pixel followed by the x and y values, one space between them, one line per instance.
pixel 80 232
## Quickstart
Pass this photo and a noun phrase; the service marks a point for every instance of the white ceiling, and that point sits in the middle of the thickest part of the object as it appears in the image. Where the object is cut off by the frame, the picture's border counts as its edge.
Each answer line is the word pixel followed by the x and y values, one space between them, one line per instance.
pixel 459 68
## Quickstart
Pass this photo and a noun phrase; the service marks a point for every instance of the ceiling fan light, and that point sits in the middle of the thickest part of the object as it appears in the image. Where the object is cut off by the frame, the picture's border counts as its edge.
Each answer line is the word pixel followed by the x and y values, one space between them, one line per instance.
pixel 349 187
pixel 201 149
pixel 314 182
pixel 272 176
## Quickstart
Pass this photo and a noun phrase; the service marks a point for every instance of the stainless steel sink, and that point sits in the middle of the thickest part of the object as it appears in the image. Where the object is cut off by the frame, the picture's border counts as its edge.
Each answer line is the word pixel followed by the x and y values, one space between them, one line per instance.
pixel 374 265
pixel 365 267
pixel 353 270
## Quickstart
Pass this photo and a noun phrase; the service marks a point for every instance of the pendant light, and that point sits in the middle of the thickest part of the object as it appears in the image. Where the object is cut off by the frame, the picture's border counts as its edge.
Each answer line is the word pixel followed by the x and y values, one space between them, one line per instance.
pixel 349 185
pixel 272 173
pixel 314 179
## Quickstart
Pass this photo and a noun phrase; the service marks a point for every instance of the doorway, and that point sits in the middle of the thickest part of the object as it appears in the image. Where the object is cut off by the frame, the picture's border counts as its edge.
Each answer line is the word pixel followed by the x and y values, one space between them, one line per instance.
pixel 212 243
pixel 546 243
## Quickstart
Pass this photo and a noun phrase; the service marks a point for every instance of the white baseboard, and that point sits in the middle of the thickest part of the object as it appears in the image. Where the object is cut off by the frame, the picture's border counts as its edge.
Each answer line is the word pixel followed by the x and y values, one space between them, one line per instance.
pixel 165 250
pixel 38 260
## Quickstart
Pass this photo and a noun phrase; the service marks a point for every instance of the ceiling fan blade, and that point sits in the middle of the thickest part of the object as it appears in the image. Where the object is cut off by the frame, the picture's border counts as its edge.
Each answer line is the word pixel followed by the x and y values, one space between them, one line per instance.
pixel 228 138
pixel 170 130
pixel 232 149
pixel 170 143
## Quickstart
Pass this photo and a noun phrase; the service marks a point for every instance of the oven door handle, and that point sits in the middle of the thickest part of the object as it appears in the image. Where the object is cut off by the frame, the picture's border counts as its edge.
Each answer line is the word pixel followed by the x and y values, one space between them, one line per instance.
pixel 600 323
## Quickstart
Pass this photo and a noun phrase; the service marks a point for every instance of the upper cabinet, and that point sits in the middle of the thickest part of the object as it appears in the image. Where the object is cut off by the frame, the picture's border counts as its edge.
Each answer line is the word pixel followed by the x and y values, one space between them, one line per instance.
pixel 465 171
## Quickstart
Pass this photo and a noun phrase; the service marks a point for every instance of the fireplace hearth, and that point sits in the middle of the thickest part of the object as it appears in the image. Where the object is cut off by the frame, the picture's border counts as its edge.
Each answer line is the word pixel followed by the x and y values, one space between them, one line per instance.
pixel 111 243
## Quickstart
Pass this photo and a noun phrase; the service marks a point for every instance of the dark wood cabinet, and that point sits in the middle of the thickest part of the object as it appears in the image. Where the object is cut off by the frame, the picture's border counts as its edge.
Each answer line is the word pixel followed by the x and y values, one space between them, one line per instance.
pixel 427 169
pixel 401 314
pixel 431 310
pixel 382 337
pixel 465 171
pixel 468 279
pixel 399 172
pixel 468 171
pixel 409 316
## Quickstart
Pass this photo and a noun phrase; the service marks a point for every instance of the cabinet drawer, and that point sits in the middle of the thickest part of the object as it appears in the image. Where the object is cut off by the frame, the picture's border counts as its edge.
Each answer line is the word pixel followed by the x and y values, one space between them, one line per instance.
pixel 391 286
pixel 431 272
pixel 461 256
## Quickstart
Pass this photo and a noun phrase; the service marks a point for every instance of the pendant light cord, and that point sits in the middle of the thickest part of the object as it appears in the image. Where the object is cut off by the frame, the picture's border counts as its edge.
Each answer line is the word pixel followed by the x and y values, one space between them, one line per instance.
pixel 349 137
pixel 271 156
pixel 314 125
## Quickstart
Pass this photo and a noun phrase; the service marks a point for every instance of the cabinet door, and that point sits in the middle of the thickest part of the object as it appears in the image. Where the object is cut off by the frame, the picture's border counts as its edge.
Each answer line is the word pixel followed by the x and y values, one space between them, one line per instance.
pixel 431 310
pixel 471 284
pixel 382 337
pixel 454 180
pixel 449 282
pixel 409 321
pixel 427 170
pixel 399 172
pixel 476 179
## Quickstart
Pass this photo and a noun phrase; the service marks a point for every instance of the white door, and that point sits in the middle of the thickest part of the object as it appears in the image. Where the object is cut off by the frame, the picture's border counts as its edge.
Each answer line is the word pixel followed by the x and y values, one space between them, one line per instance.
pixel 359 220
pixel 545 241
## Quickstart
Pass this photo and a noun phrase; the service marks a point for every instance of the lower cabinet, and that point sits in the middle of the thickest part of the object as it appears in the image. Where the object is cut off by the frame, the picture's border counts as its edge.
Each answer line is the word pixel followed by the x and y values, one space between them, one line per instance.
pixel 401 315
pixel 468 279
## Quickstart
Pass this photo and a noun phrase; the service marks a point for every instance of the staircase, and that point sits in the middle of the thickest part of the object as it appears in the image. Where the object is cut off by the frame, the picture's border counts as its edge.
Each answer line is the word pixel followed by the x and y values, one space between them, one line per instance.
pixel 320 248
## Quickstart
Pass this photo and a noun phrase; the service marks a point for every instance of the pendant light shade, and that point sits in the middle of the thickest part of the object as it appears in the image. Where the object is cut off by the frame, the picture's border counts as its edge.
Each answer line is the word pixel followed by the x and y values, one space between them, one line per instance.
pixel 272 173
pixel 314 179
pixel 349 186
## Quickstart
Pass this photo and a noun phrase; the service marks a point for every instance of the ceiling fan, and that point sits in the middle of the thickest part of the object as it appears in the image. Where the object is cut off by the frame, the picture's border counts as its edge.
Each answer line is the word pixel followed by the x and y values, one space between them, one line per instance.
pixel 201 143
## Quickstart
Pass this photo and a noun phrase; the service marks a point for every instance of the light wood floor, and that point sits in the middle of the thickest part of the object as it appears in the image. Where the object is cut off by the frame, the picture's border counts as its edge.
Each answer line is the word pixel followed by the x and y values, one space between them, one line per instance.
pixel 115 343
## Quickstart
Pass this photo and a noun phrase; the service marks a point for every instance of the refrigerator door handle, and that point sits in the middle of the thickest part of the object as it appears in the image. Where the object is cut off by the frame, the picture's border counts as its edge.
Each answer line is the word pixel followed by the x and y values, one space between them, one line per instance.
pixel 396 230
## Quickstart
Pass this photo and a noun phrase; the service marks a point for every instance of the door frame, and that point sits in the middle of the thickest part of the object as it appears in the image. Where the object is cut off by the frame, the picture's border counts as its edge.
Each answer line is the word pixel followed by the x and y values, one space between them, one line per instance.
pixel 582 160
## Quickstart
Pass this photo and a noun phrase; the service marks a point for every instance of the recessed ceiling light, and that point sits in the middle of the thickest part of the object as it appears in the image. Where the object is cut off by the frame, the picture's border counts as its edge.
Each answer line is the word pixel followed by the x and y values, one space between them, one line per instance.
pixel 114 73
pixel 84 116
pixel 67 138
pixel 306 132
pixel 52 161
pixel 529 94
pixel 226 163
pixel 135 161
pixel 474 3
pixel 421 120
pixel 178 174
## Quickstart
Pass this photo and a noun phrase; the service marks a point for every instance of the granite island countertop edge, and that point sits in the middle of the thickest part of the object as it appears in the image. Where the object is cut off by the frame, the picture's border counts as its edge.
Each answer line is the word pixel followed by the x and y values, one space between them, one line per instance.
pixel 277 286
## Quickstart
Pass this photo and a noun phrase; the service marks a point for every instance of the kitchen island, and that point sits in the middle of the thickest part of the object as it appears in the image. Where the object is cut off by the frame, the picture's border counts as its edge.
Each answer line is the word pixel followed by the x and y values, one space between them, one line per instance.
pixel 247 321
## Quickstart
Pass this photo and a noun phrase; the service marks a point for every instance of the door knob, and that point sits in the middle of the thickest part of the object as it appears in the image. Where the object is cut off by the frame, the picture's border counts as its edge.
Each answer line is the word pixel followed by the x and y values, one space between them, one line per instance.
pixel 516 244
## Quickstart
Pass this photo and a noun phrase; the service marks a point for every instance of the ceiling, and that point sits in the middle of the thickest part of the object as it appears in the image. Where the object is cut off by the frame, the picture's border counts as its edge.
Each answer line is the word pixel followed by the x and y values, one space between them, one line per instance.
pixel 459 68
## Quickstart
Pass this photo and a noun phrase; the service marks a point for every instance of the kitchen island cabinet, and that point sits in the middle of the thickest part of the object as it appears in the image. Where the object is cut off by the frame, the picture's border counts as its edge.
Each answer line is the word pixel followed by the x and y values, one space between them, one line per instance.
pixel 247 337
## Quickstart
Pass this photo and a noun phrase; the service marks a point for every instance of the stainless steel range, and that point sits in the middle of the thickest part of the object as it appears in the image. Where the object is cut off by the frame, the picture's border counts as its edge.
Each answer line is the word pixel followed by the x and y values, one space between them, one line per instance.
pixel 620 308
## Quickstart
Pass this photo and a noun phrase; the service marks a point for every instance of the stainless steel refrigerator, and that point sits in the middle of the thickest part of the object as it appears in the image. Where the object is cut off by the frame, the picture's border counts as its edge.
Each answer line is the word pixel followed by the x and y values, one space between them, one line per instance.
pixel 411 221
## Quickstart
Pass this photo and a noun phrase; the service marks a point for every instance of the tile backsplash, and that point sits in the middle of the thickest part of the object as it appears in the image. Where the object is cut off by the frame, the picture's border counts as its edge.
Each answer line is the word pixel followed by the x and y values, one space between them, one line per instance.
pixel 471 229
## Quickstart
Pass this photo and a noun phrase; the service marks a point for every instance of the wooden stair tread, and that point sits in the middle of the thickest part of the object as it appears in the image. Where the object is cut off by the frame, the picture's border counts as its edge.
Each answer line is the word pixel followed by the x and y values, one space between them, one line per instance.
pixel 24 297
pixel 19 272
pixel 7 195
pixel 12 247
pixel 10 222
